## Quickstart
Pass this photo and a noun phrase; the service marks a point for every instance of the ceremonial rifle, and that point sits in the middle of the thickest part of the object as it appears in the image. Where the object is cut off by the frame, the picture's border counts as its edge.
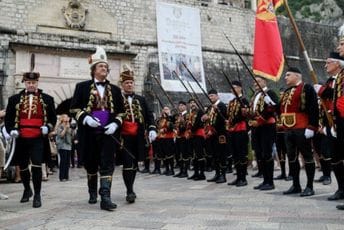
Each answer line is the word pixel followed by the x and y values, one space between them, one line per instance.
pixel 233 89
pixel 162 88
pixel 308 61
pixel 239 78
pixel 156 96
pixel 209 83
pixel 203 91
pixel 244 63
pixel 199 101
pixel 181 81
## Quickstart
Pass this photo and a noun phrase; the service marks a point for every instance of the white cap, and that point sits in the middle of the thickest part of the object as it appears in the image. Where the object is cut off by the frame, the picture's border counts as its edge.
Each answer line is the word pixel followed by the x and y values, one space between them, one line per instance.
pixel 97 57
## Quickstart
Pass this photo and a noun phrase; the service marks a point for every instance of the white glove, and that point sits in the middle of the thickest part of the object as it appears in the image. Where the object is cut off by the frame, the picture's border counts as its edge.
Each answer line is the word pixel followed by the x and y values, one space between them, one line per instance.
pixel 152 136
pixel 44 130
pixel 14 133
pixel 317 87
pixel 333 132
pixel 110 128
pixel 268 100
pixel 90 121
pixel 309 133
pixel 5 133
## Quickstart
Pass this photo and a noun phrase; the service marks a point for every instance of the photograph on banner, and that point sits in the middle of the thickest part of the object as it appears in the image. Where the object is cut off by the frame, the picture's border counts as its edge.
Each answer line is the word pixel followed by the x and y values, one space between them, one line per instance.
pixel 179 44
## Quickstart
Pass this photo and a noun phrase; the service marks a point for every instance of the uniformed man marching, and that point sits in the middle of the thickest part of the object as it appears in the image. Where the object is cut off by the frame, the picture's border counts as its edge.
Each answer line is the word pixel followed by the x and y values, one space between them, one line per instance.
pixel 96 106
pixel 300 118
pixel 30 116
pixel 137 119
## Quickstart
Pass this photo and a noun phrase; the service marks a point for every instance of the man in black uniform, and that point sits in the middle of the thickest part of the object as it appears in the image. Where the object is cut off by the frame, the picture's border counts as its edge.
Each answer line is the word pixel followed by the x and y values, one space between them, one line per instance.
pixel 263 124
pixel 339 115
pixel 215 131
pixel 300 118
pixel 326 141
pixel 137 119
pixel 237 129
pixel 30 116
pixel 96 106
pixel 183 154
pixel 195 131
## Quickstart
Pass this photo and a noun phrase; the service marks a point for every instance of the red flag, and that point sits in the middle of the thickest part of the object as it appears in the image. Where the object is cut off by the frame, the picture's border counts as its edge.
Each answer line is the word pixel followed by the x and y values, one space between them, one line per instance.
pixel 268 59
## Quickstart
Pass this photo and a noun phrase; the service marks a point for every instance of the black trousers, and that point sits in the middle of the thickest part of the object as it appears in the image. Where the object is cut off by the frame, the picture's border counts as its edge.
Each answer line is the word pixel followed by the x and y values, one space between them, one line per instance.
pixel 296 143
pixel 218 143
pixel 238 144
pixel 280 146
pixel 184 148
pixel 168 148
pixel 29 149
pixel 263 138
pixel 198 150
pixel 101 156
pixel 64 163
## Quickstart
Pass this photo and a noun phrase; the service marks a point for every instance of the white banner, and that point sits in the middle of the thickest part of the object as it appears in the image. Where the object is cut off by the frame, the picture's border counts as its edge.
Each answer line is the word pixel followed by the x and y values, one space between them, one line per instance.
pixel 179 41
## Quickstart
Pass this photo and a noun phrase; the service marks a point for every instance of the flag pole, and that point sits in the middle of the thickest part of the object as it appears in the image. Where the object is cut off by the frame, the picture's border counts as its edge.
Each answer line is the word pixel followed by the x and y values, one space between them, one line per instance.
pixel 308 61
pixel 302 45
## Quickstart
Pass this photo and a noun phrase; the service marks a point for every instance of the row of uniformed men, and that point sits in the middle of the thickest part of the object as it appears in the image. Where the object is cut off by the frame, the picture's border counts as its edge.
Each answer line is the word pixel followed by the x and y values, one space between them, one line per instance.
pixel 302 113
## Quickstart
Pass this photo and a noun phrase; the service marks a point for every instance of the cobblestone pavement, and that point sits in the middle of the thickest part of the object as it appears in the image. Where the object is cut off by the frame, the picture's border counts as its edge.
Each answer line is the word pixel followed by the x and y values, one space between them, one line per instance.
pixel 171 203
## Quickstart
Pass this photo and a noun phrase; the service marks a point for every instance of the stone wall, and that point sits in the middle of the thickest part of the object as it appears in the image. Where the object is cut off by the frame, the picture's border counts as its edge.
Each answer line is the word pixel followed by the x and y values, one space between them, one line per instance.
pixel 127 30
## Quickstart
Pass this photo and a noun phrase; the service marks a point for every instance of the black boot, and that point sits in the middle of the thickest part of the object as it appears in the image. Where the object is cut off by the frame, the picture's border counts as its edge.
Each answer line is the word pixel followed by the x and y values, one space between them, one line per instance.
pixel 129 178
pixel 25 177
pixel 242 175
pixel 338 170
pixel 237 168
pixel 146 169
pixel 283 174
pixel 201 165
pixel 171 163
pixel 263 172
pixel 326 168
pixel 216 176
pixel 294 168
pixel 184 170
pixel 209 164
pixel 167 171
pixel 222 178
pixel 92 183
pixel 196 171
pixel 37 182
pixel 157 169
pixel 310 172
pixel 104 192
pixel 181 168
pixel 268 175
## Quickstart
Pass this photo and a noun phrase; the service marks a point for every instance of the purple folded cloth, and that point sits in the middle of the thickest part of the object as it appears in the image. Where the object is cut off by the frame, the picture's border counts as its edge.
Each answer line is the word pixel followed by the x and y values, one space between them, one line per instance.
pixel 103 117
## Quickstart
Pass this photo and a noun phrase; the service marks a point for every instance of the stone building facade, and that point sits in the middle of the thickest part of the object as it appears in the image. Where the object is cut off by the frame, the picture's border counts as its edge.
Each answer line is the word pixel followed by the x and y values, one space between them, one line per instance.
pixel 64 33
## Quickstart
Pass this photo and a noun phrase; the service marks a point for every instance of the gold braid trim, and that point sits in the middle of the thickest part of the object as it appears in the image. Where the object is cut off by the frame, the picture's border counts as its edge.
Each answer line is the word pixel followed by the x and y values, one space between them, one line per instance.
pixel 94 95
pixel 19 105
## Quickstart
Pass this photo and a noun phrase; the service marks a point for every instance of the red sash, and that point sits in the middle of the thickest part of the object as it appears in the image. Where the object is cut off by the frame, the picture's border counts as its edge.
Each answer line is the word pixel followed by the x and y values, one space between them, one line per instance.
pixel 200 132
pixel 129 128
pixel 30 128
